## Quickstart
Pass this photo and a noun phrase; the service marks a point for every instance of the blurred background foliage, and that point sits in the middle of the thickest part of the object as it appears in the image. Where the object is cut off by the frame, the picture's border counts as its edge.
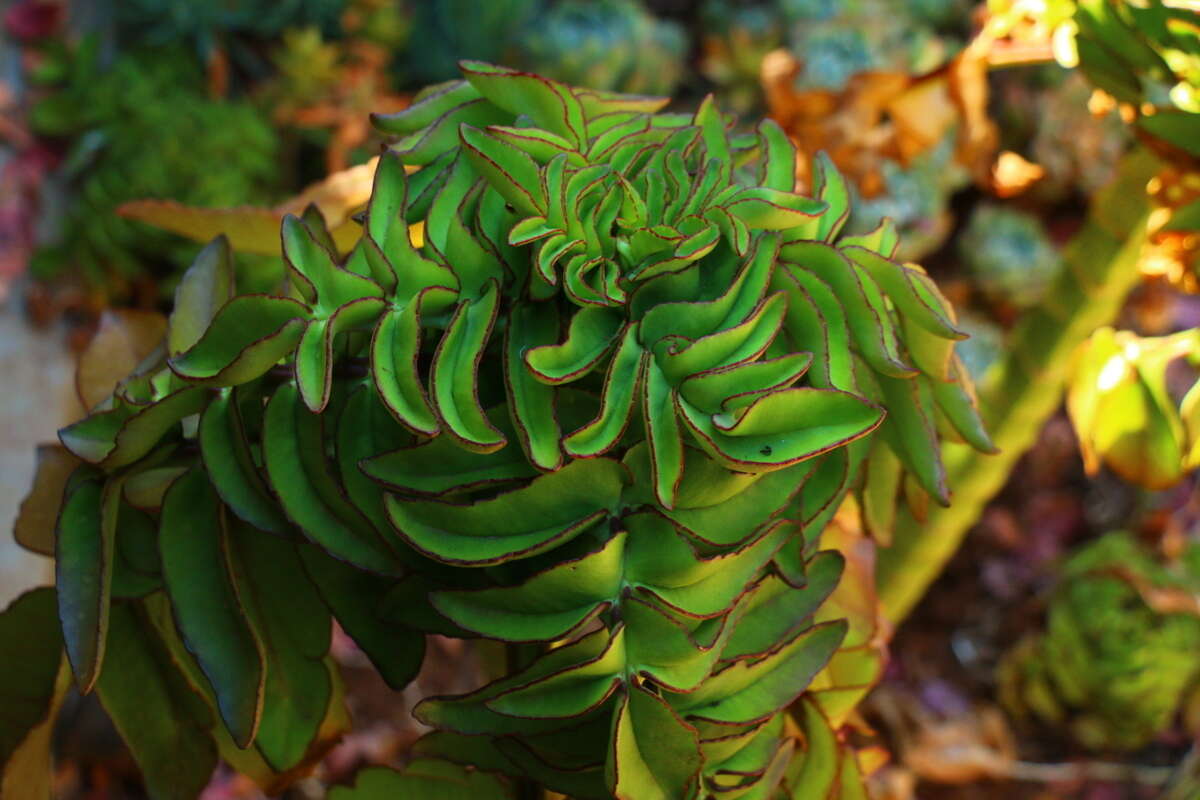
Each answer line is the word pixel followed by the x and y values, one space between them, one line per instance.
pixel 1040 157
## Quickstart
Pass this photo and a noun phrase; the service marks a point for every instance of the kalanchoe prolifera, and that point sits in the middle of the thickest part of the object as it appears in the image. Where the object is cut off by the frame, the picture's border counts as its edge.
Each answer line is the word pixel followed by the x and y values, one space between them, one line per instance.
pixel 600 408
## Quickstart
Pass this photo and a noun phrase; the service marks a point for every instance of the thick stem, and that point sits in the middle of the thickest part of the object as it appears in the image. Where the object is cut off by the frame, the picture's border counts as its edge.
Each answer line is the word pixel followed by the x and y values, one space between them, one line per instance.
pixel 1100 268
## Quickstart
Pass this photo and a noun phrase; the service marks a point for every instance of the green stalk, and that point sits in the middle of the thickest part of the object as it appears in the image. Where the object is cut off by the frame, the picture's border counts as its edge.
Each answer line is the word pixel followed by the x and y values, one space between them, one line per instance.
pixel 1100 268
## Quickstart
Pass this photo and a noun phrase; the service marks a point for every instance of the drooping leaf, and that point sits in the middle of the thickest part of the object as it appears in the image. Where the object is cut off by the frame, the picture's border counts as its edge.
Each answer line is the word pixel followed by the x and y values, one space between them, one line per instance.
pixel 655 755
pixel 84 554
pixel 194 544
pixel 32 644
pixel 162 720
pixel 206 286
pixel 425 778
pixel 551 510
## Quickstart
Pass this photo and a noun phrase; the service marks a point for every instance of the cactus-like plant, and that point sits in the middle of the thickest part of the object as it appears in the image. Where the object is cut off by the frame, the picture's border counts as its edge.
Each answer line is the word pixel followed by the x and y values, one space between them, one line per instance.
pixel 734 41
pixel 1108 667
pixel 145 128
pixel 1009 254
pixel 601 412
pixel 615 45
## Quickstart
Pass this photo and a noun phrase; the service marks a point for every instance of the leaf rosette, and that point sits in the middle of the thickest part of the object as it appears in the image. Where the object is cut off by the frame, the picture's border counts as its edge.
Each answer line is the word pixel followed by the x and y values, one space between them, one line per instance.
pixel 600 408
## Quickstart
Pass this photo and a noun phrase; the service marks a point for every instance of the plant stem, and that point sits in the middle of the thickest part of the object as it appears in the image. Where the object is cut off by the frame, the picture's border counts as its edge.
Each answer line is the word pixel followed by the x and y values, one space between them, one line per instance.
pixel 1100 268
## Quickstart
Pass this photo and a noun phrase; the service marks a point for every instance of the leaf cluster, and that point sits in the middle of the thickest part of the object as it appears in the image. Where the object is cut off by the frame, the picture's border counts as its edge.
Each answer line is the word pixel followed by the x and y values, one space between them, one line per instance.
pixel 1109 667
pixel 599 409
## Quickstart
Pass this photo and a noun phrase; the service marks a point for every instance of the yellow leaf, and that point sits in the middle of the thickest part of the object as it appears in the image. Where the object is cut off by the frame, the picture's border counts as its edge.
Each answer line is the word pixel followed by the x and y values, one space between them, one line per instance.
pixel 256 230
pixel 125 337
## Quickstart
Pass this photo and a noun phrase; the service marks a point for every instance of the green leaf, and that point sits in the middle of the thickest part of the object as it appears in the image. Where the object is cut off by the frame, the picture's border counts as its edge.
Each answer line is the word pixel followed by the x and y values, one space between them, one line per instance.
pixel 441 137
pixel 453 383
pixel 364 430
pixel 506 168
pixel 440 466
pixel 592 333
pixel 548 103
pixel 956 400
pixel 748 504
pixel 194 547
pixel 783 428
pixel 750 691
pixel 762 208
pixel 866 311
pixel 399 268
pixel 778 170
pixel 831 187
pixel 911 430
pixel 229 462
pixel 426 109
pixel 774 610
pixel 913 293
pixel 542 145
pixel 691 585
pixel 206 286
pixel 681 358
pixel 293 626
pixel 551 510
pixel 248 336
pixel 880 491
pixel 314 353
pixel 732 387
pixel 675 652
pixel 571 692
pixel 693 320
pixel 136 571
pixel 532 404
pixel 469 714
pixel 427 779
pixel 395 356
pixel 161 718
pixel 323 282
pixel 617 402
pixel 118 438
pixel 86 537
pixel 353 598
pixel 817 771
pixel 29 674
pixel 654 755
pixel 299 472
pixel 545 607
pixel 663 435
pixel 816 320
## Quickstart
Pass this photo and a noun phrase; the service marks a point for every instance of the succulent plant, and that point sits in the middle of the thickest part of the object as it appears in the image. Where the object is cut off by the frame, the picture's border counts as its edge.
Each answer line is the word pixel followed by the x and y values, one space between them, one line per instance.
pixel 1009 254
pixel 1146 56
pixel 836 41
pixel 916 198
pixel 145 128
pixel 449 30
pixel 983 347
pixel 600 411
pixel 206 25
pixel 614 45
pixel 1078 150
pixel 1108 668
pixel 735 40
pixel 1130 412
